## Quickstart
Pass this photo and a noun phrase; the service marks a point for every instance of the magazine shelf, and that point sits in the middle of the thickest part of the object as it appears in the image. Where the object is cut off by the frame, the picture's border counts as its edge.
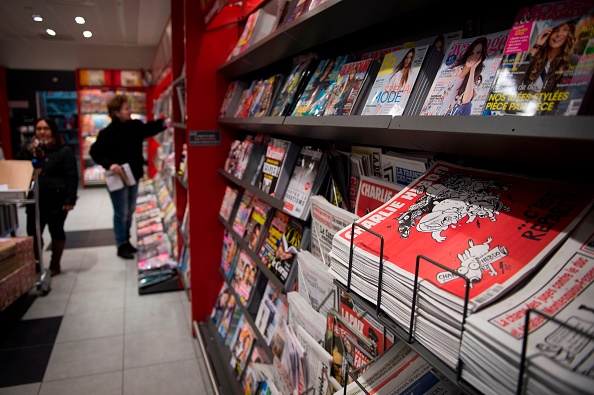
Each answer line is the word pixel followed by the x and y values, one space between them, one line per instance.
pixel 403 335
pixel 537 139
pixel 338 27
pixel 260 339
pixel 243 245
pixel 245 184
pixel 256 124
pixel 318 26
pixel 219 356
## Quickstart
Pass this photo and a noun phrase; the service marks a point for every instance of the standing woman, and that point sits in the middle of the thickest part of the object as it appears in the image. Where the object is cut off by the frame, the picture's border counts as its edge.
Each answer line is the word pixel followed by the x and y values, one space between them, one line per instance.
pixel 118 143
pixel 58 183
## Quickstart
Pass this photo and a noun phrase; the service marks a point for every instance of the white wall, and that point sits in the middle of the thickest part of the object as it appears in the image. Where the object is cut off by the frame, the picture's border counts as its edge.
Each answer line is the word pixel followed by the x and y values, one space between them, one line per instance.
pixel 51 55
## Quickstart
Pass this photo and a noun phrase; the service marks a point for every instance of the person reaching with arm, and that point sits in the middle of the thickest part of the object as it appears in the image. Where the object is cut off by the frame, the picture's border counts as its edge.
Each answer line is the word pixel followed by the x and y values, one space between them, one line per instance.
pixel 118 143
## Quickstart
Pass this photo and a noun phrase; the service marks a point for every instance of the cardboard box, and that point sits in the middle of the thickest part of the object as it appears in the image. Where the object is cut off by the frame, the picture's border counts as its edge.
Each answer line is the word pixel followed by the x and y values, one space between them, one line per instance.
pixel 8 247
pixel 17 268
pixel 15 178
pixel 17 284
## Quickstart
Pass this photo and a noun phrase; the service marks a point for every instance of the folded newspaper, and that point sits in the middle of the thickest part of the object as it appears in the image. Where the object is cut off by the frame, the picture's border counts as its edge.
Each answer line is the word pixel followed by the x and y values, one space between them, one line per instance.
pixel 116 182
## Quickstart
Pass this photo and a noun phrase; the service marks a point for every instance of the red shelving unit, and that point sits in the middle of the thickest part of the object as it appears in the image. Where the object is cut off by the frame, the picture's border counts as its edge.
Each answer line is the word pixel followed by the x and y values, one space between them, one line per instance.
pixel 197 51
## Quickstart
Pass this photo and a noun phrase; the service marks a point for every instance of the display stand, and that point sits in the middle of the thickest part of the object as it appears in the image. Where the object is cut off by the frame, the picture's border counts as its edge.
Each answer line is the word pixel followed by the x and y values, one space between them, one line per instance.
pixel 407 334
pixel 43 285
pixel 525 338
pixel 554 146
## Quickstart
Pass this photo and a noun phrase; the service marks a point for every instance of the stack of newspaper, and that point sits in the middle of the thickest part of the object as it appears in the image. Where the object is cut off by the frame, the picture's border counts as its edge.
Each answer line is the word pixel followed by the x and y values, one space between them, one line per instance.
pixel 559 357
pixel 400 370
pixel 326 220
pixel 487 228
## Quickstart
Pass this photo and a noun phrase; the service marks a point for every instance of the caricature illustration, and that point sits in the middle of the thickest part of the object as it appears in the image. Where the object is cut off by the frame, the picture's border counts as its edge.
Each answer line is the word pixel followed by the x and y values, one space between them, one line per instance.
pixel 445 205
pixel 474 261
pixel 570 348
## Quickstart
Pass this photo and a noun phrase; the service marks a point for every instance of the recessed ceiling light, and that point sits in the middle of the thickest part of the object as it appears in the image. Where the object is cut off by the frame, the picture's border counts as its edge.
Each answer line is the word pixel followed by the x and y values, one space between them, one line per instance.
pixel 51 32
pixel 80 20
pixel 87 34
pixel 37 18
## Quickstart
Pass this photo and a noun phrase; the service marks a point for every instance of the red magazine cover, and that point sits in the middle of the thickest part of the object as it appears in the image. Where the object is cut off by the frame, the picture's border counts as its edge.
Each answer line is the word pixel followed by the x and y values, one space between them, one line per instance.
pixel 493 228
pixel 373 193
pixel 365 324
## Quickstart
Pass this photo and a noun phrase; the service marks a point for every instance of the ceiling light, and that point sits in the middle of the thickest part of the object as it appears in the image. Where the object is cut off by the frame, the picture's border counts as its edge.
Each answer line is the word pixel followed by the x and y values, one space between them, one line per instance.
pixel 80 20
pixel 87 34
pixel 37 18
pixel 51 32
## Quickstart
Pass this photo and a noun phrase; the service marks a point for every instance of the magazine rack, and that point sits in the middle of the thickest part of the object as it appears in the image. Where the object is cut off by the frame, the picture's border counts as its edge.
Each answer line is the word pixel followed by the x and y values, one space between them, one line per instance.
pixel 523 358
pixel 408 335
pixel 331 293
pixel 162 279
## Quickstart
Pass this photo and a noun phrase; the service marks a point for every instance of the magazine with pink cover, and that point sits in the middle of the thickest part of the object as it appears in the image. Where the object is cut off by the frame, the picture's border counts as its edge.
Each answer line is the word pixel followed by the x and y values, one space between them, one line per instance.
pixel 548 62
pixel 493 228
pixel 228 202
pixel 242 346
pixel 246 273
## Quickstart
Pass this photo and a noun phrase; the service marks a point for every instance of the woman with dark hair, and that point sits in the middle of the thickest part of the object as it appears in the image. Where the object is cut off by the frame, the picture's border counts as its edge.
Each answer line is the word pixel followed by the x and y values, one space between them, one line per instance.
pixel 467 76
pixel 403 70
pixel 549 57
pixel 58 183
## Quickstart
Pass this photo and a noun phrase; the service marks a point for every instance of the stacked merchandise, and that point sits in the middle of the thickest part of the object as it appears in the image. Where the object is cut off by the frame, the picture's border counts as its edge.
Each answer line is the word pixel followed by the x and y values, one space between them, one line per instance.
pixel 559 345
pixel 352 85
pixel 453 240
pixel 156 238
pixel 315 96
pixel 454 210
pixel 294 86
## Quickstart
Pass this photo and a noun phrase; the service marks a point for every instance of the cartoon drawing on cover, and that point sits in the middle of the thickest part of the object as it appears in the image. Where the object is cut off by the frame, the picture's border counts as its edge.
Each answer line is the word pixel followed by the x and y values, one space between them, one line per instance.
pixel 474 261
pixel 444 205
pixel 566 346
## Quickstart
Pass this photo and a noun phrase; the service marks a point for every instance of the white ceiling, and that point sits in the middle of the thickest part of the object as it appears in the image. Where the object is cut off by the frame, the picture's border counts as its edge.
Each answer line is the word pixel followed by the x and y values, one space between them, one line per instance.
pixel 125 33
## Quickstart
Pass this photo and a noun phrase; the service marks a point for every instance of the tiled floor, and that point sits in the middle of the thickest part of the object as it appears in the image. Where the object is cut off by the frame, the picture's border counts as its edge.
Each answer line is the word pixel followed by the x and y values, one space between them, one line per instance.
pixel 104 337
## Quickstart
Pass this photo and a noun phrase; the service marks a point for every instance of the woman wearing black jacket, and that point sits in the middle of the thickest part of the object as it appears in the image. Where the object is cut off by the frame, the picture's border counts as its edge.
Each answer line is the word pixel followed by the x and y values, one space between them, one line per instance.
pixel 58 183
pixel 121 142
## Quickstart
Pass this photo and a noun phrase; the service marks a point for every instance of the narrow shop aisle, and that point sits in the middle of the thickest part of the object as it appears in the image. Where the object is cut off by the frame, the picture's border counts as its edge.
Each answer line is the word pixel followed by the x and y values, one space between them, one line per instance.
pixel 93 333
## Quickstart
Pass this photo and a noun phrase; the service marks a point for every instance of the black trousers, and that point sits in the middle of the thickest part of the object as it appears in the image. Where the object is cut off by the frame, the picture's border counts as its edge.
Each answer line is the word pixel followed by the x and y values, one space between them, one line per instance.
pixel 53 217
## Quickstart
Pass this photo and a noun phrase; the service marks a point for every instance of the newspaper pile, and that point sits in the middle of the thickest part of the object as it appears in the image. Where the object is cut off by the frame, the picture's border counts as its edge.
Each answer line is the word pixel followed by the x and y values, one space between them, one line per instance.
pixel 560 358
pixel 487 228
